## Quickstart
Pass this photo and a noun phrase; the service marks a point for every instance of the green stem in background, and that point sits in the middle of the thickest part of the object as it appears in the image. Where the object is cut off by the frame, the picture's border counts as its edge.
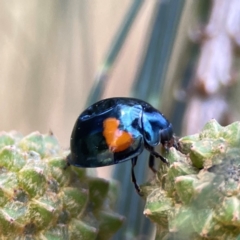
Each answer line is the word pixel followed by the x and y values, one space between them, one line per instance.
pixel 147 86
pixel 121 35
pixel 151 76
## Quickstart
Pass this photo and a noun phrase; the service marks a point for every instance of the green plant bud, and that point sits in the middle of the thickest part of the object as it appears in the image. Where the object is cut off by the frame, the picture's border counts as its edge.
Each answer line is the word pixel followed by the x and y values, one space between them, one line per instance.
pixel 198 196
pixel 43 198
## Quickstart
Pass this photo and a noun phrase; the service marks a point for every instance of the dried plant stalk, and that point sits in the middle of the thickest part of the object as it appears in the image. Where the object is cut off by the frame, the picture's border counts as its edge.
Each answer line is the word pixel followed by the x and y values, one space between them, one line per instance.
pixel 214 68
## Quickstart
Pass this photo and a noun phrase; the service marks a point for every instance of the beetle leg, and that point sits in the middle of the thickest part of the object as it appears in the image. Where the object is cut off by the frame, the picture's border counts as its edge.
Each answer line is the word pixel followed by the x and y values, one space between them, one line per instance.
pixel 151 161
pixel 134 162
pixel 155 154
pixel 67 162
pixel 166 146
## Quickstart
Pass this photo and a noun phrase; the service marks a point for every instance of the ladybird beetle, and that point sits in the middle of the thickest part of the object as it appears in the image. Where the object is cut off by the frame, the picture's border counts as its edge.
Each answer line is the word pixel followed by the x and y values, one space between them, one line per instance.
pixel 117 129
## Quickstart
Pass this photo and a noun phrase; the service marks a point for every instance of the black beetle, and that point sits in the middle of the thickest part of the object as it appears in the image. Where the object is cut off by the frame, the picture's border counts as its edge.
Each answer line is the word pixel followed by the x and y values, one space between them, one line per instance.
pixel 117 129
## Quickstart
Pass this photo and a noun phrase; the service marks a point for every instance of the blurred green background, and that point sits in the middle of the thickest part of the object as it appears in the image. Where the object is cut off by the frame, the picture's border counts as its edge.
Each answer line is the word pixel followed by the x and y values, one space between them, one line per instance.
pixel 50 52
pixel 59 56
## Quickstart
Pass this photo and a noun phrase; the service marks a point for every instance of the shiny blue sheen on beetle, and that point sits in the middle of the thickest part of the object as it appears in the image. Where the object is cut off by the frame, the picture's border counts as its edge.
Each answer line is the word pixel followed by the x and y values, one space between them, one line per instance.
pixel 145 126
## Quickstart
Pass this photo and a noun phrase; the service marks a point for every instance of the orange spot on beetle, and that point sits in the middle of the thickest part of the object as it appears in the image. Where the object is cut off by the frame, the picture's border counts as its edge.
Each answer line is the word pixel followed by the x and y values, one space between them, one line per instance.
pixel 117 140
